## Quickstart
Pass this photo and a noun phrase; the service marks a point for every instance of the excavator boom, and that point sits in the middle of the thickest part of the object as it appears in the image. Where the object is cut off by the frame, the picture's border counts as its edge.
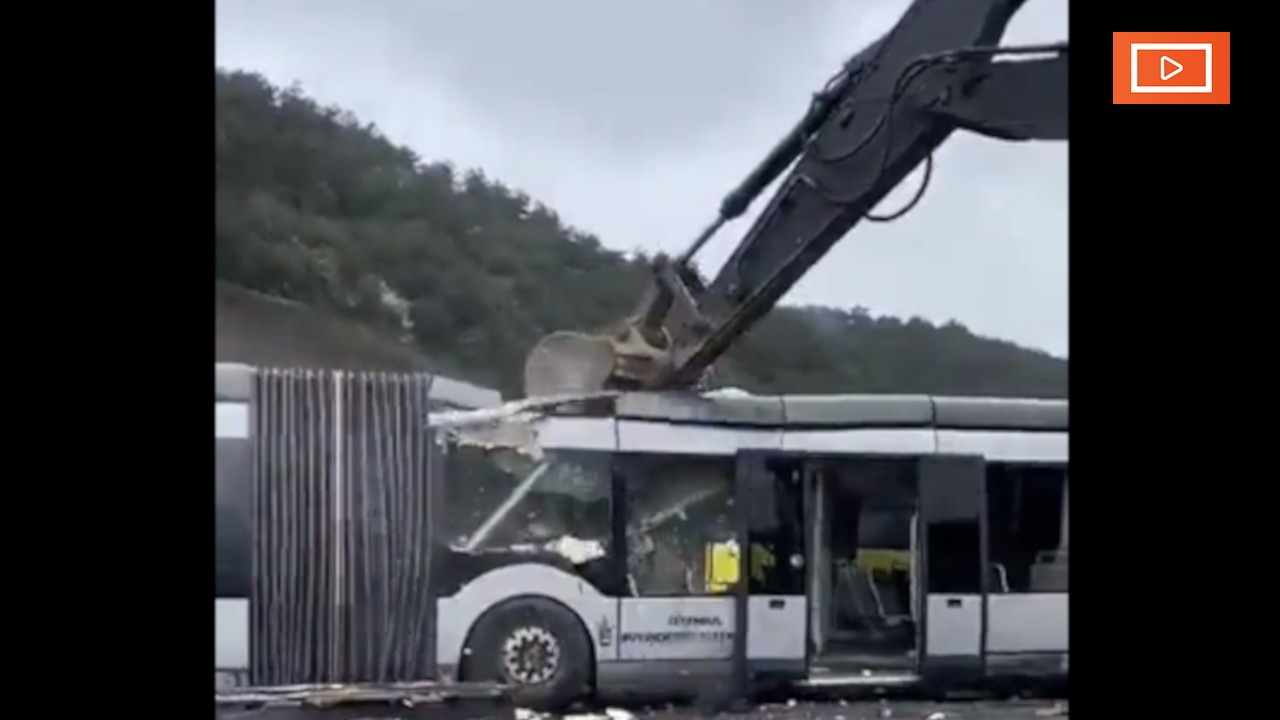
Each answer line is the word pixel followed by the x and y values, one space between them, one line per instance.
pixel 937 70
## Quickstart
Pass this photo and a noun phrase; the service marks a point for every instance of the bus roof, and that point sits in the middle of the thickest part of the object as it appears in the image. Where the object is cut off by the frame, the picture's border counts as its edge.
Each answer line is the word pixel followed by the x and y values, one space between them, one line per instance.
pixel 233 382
pixel 819 411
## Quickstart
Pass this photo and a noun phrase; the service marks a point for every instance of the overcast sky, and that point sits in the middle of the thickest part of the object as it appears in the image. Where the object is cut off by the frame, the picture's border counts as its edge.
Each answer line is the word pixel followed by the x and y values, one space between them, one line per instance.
pixel 632 119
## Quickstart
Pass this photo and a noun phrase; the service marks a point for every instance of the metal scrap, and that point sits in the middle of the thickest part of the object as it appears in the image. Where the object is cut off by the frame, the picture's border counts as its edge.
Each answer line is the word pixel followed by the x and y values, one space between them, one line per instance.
pixel 323 695
pixel 510 426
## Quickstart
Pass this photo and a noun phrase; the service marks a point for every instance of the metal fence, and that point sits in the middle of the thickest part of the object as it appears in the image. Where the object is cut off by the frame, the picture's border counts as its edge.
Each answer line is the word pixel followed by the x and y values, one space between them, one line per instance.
pixel 343 533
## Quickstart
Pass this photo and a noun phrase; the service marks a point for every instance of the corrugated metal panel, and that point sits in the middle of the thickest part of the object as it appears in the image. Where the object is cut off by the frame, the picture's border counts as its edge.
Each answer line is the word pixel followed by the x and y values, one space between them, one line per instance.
pixel 343 499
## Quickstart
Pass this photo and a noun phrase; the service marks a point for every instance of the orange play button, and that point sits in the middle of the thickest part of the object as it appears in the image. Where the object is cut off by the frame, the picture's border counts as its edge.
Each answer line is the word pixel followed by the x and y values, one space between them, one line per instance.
pixel 1183 68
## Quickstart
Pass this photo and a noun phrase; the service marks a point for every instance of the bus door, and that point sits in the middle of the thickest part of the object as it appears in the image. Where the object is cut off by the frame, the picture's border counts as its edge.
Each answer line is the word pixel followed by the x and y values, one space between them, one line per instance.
pixel 951 540
pixel 772 612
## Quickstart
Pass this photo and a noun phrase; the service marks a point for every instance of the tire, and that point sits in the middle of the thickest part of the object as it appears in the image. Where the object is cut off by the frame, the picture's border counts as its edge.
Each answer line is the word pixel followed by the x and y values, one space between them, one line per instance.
pixel 537 646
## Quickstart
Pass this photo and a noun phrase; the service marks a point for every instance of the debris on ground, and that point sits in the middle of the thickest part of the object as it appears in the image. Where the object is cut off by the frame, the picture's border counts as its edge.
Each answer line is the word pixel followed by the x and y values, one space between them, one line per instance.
pixel 831 709
pixel 608 714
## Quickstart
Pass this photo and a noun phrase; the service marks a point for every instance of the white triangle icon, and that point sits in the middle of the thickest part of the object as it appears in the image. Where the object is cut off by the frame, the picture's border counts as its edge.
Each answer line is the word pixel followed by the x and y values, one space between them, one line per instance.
pixel 1165 62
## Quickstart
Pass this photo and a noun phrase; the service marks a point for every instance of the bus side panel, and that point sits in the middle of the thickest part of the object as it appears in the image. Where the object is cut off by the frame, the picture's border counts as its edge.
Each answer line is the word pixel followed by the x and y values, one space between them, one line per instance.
pixel 1005 446
pixel 777 631
pixel 1031 622
pixel 231 634
pixel 670 647
pixel 676 628
pixel 952 528
pixel 457 614
pixel 1027 635
pixel 770 499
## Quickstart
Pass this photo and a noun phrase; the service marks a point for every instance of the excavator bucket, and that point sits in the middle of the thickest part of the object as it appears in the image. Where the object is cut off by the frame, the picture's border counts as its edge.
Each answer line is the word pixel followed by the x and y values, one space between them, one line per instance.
pixel 566 363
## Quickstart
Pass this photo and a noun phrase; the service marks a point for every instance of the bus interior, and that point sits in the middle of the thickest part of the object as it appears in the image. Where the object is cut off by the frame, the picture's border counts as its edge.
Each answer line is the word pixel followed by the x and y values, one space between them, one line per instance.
pixel 861 580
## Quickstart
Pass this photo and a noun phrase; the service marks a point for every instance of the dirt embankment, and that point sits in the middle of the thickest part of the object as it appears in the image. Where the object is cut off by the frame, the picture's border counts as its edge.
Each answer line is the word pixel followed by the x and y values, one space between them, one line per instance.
pixel 261 330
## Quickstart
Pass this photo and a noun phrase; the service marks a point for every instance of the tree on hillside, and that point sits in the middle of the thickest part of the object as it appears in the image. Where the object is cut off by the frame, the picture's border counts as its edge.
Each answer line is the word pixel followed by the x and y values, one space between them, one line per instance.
pixel 314 206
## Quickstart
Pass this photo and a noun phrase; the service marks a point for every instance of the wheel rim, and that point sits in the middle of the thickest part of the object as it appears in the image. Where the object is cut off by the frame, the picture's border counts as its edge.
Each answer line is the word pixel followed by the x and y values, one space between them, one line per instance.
pixel 530 655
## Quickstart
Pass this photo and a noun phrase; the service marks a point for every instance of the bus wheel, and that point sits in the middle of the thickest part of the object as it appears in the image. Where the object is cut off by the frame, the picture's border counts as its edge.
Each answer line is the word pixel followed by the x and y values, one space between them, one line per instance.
pixel 538 647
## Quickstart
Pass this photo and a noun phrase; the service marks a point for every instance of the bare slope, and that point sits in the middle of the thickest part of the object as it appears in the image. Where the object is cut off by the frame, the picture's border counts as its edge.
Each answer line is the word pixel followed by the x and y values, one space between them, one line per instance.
pixel 262 330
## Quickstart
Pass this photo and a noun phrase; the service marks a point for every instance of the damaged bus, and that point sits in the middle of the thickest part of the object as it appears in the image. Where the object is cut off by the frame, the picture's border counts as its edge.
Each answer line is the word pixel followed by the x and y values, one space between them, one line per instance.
pixel 674 541
pixel 621 543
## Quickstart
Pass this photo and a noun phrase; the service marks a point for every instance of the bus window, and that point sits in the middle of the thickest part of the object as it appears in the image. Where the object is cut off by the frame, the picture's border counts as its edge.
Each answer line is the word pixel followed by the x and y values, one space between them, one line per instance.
pixel 777 563
pixel 1026 510
pixel 561 503
pixel 233 517
pixel 954 549
pixel 679 525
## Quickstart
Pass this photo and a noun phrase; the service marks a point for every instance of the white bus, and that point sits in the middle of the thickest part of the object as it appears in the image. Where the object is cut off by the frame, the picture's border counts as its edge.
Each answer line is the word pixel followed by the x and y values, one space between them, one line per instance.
pixel 648 542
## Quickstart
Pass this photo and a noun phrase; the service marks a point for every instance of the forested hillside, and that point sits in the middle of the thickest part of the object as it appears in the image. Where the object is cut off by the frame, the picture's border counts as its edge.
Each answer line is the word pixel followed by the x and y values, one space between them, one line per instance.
pixel 317 208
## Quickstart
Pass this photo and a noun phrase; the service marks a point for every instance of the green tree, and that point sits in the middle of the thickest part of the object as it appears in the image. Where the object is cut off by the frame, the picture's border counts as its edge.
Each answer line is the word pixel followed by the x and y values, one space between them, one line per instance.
pixel 315 207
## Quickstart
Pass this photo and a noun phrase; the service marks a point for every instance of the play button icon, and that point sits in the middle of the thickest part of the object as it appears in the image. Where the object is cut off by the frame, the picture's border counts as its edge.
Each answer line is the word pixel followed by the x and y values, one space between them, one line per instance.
pixel 1171 68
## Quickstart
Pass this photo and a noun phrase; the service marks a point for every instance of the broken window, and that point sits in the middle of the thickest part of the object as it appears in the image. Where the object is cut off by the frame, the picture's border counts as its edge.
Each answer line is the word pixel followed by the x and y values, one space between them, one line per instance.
pixel 679 528
pixel 1027 539
pixel 504 501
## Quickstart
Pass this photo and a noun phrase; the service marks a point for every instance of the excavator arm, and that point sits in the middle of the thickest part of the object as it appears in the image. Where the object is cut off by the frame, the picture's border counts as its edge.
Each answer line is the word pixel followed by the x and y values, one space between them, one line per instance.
pixel 939 69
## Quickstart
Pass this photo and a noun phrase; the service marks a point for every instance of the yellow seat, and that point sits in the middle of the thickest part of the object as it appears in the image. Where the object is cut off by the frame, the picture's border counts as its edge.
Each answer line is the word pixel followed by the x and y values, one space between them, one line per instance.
pixel 722 561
